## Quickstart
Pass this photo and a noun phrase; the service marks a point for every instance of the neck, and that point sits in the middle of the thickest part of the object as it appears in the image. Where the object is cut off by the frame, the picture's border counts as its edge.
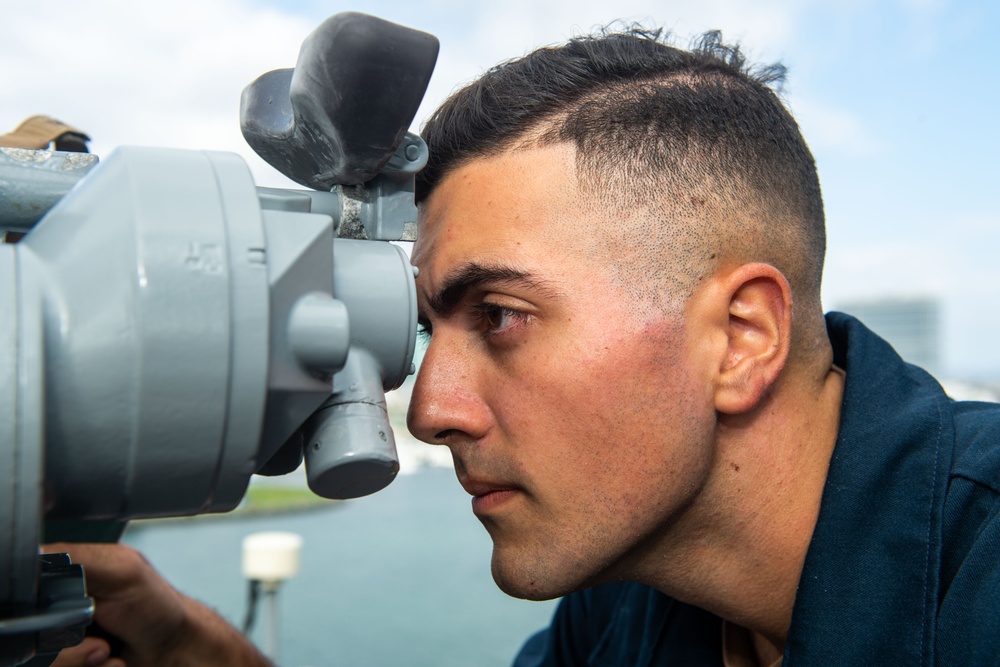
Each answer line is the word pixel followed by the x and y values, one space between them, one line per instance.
pixel 738 551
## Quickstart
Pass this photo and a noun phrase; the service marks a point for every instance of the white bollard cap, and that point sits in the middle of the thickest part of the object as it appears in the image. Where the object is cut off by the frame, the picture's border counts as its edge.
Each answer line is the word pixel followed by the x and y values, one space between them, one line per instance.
pixel 271 556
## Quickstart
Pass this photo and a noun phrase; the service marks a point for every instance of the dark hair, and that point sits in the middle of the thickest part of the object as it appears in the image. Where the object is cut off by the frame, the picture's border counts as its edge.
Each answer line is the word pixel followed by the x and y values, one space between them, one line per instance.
pixel 644 114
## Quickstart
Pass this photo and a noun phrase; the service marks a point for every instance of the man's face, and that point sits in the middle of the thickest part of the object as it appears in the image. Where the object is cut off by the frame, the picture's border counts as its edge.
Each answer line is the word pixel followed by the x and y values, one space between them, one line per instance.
pixel 577 421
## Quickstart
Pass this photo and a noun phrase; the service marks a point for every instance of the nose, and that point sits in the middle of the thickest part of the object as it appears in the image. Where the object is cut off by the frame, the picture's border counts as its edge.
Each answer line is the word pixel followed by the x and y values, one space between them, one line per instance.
pixel 446 406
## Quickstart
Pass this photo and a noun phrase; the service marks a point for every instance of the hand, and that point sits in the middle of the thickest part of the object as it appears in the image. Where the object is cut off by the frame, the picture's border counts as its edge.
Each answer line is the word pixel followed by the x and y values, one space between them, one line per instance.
pixel 156 623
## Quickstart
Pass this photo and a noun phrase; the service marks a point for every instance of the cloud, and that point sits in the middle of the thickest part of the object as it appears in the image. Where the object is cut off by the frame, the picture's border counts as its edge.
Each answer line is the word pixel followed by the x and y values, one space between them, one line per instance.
pixel 142 73
pixel 956 264
pixel 957 258
pixel 832 129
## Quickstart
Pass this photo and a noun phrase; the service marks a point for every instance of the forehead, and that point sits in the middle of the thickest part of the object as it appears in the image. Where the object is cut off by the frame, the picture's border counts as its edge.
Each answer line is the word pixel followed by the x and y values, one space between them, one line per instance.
pixel 521 205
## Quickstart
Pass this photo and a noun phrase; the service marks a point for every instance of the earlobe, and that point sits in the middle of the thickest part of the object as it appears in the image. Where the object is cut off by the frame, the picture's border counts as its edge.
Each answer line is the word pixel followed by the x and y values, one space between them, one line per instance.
pixel 759 337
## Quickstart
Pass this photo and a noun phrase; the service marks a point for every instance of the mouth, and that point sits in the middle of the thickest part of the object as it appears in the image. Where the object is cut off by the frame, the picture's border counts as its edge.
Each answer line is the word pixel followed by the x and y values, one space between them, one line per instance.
pixel 488 497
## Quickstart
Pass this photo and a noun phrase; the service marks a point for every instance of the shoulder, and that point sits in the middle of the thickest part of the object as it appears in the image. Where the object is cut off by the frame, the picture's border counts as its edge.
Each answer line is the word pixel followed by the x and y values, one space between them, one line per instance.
pixel 972 502
pixel 977 443
pixel 968 620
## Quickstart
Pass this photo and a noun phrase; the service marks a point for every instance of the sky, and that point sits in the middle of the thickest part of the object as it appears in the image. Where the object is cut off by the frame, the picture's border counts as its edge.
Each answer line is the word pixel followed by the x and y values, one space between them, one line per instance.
pixel 898 100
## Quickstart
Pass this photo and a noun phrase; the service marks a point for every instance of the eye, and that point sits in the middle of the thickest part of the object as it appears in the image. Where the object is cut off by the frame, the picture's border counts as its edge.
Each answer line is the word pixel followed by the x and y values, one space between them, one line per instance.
pixel 497 319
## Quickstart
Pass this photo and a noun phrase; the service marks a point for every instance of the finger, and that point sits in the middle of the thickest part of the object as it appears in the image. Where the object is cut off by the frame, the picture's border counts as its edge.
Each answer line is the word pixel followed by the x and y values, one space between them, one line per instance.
pixel 92 652
pixel 110 567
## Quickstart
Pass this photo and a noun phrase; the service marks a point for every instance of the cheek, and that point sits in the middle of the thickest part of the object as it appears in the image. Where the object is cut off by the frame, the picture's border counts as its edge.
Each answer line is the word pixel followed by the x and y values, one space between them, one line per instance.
pixel 620 406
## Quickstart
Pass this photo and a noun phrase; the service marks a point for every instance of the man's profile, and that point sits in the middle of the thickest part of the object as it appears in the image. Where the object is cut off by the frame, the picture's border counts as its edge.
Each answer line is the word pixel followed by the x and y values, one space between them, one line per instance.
pixel 620 249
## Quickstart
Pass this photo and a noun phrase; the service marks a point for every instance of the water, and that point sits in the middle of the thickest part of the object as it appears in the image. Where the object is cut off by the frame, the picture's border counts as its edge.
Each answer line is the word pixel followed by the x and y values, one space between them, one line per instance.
pixel 398 578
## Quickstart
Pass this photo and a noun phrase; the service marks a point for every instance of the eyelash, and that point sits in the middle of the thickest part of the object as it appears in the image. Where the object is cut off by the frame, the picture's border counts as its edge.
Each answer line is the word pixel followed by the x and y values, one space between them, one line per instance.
pixel 485 313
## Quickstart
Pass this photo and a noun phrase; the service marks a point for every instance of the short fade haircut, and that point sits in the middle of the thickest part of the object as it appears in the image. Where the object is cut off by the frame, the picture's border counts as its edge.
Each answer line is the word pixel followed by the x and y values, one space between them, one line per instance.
pixel 687 135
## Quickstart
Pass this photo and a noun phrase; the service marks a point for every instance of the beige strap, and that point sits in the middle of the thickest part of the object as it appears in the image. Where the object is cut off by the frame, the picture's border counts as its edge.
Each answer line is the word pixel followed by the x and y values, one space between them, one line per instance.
pixel 38 132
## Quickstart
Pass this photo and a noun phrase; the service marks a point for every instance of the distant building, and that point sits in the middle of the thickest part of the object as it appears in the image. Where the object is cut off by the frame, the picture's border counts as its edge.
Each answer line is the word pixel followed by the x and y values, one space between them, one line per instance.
pixel 912 327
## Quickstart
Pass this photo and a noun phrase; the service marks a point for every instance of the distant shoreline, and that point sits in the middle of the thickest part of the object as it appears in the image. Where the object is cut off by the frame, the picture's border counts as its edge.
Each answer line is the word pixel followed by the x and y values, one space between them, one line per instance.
pixel 261 500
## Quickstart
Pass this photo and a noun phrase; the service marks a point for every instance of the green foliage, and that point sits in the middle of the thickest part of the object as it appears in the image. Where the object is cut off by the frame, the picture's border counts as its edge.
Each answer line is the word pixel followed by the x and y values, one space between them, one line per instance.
pixel 265 499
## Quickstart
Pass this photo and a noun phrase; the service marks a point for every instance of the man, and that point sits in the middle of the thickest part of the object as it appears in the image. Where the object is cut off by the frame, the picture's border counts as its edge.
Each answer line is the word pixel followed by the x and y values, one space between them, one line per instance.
pixel 620 253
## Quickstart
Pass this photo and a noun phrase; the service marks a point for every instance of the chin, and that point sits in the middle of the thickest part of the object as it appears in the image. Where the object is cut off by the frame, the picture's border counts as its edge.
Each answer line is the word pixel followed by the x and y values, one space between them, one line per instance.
pixel 525 590
pixel 529 582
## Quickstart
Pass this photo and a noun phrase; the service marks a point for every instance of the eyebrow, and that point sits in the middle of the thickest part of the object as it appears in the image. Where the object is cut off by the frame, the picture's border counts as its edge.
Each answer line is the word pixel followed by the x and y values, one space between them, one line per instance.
pixel 473 275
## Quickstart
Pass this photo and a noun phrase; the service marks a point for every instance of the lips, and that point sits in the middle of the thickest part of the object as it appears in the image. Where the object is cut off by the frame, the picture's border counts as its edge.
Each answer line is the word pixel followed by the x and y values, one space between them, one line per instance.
pixel 492 501
pixel 488 496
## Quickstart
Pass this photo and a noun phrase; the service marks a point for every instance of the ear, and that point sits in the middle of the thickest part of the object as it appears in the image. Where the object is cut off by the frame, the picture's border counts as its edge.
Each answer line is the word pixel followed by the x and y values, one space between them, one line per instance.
pixel 759 337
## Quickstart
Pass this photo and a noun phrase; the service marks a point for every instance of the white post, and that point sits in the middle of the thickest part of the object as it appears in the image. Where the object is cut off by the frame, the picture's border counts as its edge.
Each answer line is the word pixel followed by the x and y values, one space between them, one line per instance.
pixel 271 628
pixel 271 558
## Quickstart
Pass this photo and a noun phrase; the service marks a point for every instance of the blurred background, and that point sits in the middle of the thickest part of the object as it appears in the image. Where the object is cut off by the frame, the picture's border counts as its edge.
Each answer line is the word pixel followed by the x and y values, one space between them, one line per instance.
pixel 898 100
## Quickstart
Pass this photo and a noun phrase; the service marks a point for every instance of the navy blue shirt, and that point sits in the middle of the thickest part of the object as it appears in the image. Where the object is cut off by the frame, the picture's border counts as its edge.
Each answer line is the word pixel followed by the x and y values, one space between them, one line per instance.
pixel 904 563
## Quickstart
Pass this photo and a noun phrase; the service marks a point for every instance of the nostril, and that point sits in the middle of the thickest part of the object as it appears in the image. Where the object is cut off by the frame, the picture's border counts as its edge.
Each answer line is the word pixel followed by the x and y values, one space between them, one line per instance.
pixel 442 436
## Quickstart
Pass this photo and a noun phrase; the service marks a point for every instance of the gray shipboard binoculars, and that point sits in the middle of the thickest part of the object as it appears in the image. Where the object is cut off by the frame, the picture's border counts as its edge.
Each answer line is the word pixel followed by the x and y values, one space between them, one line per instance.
pixel 168 329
